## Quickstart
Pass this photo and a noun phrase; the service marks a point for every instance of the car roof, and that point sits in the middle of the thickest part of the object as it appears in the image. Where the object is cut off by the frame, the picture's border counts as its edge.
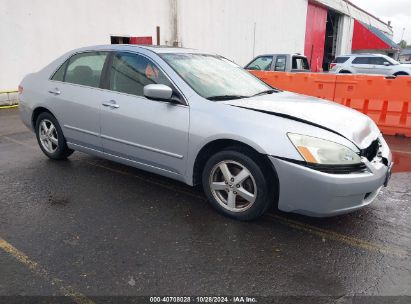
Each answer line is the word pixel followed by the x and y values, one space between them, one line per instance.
pixel 362 55
pixel 281 54
pixel 159 49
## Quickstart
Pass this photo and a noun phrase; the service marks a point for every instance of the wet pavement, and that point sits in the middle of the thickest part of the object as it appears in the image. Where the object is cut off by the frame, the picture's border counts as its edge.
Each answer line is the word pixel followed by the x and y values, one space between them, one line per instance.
pixel 101 229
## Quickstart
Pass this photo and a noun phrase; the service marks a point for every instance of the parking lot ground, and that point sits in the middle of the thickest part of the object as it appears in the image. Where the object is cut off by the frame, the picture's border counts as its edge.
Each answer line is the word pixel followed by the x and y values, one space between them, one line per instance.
pixel 89 227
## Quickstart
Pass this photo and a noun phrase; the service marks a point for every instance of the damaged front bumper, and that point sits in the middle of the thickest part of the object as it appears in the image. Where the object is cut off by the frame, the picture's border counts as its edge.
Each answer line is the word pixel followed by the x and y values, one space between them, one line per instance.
pixel 312 192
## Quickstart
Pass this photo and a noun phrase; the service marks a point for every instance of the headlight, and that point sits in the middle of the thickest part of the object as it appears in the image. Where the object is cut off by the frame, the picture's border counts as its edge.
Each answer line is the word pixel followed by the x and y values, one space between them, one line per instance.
pixel 320 151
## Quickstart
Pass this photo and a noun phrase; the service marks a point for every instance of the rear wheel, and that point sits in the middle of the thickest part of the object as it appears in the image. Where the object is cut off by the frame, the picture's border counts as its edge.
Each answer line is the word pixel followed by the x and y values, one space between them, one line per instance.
pixel 345 72
pixel 50 137
pixel 237 186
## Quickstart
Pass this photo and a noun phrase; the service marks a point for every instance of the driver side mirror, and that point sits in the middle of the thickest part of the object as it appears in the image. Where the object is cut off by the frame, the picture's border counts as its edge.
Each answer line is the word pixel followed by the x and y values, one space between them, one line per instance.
pixel 158 91
pixel 386 63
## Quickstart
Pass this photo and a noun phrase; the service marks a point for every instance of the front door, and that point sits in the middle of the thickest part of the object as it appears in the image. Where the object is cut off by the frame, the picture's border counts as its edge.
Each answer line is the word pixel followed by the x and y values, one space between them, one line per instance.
pixel 151 134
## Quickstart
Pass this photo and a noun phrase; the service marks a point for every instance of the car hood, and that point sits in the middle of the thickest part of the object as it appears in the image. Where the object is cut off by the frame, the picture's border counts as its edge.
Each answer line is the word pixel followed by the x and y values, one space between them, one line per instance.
pixel 349 123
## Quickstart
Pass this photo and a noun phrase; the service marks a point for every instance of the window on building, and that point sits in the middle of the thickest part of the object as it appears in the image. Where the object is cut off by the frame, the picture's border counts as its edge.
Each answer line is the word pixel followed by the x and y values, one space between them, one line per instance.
pixel 85 68
pixel 262 63
pixel 130 73
pixel 119 40
pixel 280 63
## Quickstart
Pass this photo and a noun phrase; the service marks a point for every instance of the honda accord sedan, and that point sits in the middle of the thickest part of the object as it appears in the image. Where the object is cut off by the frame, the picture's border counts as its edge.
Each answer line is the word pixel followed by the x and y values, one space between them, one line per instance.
pixel 201 119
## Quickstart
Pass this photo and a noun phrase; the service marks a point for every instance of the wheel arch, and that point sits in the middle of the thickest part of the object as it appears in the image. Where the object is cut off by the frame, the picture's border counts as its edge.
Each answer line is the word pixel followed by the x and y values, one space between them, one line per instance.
pixel 221 144
pixel 401 73
pixel 36 112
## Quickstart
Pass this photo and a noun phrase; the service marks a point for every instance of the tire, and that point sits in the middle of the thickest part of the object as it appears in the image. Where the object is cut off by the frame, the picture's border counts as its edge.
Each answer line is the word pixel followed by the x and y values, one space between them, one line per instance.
pixel 345 72
pixel 50 137
pixel 258 183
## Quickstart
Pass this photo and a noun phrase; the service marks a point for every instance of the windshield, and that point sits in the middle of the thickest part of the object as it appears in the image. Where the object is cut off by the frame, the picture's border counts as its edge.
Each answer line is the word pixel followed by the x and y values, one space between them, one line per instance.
pixel 392 61
pixel 213 76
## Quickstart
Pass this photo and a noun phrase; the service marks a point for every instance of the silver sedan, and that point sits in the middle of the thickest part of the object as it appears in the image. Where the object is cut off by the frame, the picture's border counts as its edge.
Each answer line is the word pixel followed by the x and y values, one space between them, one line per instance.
pixel 201 119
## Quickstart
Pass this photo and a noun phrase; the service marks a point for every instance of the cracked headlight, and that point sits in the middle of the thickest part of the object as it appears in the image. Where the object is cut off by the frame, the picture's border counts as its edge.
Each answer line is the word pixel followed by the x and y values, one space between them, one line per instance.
pixel 320 151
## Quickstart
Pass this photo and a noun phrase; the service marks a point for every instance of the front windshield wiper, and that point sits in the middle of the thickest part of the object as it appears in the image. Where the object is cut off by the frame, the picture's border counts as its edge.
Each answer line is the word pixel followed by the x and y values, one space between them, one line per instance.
pixel 270 91
pixel 226 97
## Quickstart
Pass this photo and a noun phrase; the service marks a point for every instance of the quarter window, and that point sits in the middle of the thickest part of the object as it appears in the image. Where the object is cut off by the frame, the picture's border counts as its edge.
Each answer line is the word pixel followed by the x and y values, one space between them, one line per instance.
pixel 340 59
pixel 85 69
pixel 131 72
pixel 59 74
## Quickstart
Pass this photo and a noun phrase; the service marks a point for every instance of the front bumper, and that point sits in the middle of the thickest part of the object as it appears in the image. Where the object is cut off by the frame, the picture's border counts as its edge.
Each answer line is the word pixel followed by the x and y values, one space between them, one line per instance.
pixel 315 193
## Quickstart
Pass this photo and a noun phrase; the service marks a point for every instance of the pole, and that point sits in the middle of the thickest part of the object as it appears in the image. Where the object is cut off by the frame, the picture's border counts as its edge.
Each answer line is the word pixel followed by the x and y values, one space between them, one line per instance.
pixel 158 34
pixel 254 40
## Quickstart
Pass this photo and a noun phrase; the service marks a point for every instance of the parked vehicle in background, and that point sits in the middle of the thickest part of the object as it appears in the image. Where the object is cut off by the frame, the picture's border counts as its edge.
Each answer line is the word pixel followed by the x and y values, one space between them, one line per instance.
pixel 368 64
pixel 279 63
pixel 201 119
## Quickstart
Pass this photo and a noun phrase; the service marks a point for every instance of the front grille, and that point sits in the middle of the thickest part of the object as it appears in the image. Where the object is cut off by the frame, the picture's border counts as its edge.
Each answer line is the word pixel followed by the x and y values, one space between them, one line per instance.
pixel 371 151
pixel 338 169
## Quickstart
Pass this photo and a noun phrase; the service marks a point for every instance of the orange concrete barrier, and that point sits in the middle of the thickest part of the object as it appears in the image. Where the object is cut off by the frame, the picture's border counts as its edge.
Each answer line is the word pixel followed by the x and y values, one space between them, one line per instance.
pixel 386 101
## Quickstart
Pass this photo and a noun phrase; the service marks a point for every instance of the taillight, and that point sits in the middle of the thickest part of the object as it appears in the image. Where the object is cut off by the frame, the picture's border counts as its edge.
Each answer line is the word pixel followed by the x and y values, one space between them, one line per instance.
pixel 20 89
pixel 332 65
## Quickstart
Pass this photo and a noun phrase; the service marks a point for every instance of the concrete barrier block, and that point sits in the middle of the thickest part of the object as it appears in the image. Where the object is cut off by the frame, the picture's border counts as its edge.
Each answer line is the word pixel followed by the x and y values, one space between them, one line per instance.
pixel 4 99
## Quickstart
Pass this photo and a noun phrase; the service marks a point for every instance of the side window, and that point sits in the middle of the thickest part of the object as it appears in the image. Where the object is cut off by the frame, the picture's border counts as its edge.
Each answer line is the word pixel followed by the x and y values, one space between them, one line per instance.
pixel 280 63
pixel 129 74
pixel 262 63
pixel 59 74
pixel 361 60
pixel 85 68
pixel 379 61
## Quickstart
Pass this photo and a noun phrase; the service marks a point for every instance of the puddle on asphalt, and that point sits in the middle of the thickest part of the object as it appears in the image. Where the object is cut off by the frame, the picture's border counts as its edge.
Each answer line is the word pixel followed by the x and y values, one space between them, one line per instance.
pixel 402 162
pixel 401 153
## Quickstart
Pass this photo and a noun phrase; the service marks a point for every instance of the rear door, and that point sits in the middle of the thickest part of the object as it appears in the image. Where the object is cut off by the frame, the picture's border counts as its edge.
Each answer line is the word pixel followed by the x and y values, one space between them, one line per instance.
pixel 151 134
pixel 75 90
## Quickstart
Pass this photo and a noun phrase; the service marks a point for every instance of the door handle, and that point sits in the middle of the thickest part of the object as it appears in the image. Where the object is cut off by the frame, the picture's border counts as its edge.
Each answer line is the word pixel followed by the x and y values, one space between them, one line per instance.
pixel 56 91
pixel 111 104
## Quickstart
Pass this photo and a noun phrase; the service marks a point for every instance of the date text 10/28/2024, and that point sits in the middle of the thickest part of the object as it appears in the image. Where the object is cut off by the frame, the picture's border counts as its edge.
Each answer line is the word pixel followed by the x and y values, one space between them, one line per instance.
pixel 205 299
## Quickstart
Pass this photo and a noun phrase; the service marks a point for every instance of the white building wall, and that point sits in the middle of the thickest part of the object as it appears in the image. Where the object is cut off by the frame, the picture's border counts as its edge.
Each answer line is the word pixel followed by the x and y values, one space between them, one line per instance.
pixel 34 32
pixel 226 27
pixel 344 35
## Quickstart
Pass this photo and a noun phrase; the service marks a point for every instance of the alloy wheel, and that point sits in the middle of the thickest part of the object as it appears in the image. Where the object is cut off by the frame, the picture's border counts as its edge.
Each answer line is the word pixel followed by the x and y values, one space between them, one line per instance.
pixel 233 186
pixel 48 136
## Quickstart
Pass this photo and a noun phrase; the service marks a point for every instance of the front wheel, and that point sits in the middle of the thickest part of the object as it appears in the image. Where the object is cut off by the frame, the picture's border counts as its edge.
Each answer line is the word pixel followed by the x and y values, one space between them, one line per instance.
pixel 237 186
pixel 50 137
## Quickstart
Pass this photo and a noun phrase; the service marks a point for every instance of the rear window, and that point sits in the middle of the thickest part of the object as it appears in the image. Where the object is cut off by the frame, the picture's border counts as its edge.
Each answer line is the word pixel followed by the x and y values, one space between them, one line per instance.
pixel 341 59
pixel 300 63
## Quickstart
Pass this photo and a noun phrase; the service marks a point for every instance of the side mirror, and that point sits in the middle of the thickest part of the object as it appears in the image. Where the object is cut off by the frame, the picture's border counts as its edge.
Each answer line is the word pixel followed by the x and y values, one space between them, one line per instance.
pixel 386 63
pixel 158 91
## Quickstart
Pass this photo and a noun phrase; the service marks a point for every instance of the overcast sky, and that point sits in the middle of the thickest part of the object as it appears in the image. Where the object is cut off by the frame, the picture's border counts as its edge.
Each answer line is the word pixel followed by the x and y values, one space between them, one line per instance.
pixel 397 11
